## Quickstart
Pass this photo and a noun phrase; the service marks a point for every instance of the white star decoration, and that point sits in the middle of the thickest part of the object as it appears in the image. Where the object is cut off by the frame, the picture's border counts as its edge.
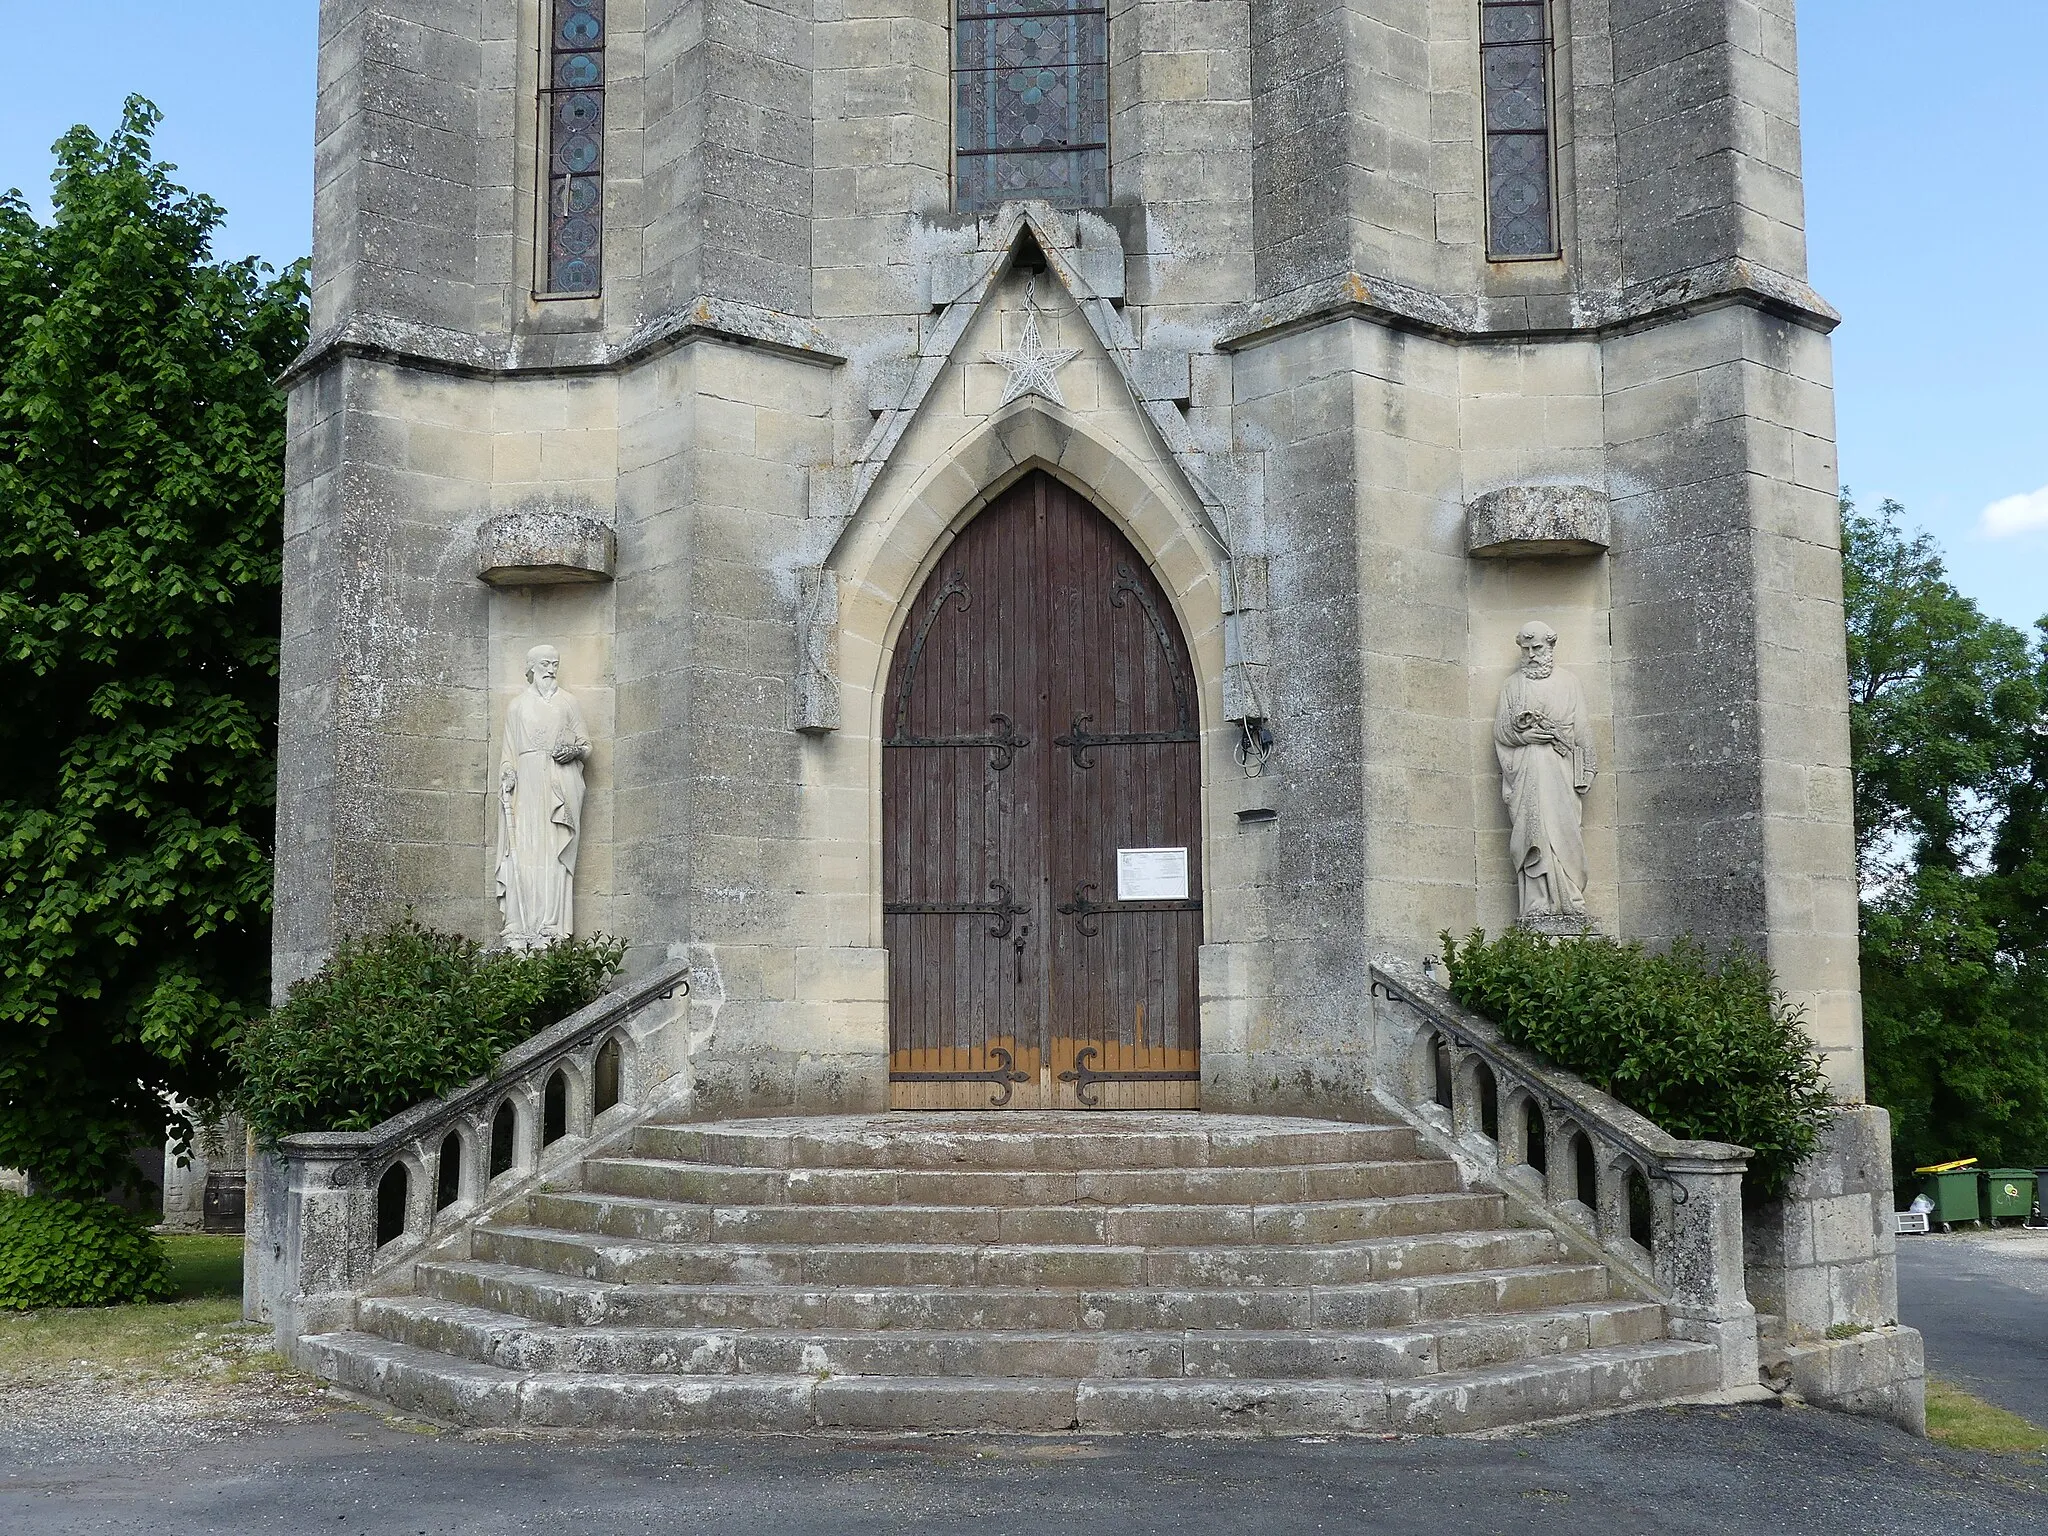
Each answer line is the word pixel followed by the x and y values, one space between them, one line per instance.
pixel 1034 367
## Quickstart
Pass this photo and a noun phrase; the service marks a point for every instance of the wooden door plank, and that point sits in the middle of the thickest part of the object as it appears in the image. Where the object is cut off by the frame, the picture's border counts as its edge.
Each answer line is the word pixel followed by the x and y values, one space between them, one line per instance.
pixel 1059 619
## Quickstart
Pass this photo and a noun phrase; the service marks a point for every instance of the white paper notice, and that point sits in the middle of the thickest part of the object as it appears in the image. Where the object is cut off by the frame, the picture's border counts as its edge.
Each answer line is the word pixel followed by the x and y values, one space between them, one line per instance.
pixel 1151 874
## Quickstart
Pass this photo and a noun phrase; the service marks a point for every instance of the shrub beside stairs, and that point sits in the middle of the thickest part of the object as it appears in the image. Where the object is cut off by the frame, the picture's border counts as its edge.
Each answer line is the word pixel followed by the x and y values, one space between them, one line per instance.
pixel 1020 1272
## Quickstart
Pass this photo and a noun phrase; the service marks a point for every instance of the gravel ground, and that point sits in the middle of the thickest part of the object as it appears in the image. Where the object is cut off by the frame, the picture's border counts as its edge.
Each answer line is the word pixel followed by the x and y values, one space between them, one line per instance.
pixel 226 1385
pixel 217 1438
pixel 292 1463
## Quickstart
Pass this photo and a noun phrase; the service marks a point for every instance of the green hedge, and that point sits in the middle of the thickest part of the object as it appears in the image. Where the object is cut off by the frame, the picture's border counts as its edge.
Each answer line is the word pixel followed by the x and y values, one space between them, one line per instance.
pixel 1706 1048
pixel 70 1253
pixel 401 1017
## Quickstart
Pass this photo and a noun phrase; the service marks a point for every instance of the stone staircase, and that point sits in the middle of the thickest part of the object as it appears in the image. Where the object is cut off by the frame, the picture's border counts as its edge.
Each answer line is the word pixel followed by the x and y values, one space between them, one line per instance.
pixel 1032 1272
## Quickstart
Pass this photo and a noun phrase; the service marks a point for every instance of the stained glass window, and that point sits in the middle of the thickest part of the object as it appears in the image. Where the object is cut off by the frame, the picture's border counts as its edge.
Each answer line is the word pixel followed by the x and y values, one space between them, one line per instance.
pixel 1514 62
pixel 572 99
pixel 1031 103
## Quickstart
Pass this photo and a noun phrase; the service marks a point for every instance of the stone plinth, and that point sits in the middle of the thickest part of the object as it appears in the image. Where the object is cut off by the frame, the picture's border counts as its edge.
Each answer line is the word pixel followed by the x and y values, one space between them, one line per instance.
pixel 538 549
pixel 1559 925
pixel 1822 1262
pixel 1538 520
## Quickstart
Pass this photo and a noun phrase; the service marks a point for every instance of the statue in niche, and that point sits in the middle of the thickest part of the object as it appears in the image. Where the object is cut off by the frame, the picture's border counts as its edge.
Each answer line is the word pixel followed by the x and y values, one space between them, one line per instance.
pixel 540 796
pixel 1544 738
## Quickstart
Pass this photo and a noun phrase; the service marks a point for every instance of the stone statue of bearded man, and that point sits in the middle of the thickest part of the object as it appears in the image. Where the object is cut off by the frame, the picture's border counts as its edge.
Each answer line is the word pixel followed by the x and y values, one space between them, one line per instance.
pixel 1545 743
pixel 540 797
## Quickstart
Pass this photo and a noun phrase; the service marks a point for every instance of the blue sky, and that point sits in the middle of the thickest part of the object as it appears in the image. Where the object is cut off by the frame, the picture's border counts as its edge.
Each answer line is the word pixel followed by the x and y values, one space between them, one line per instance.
pixel 1927 218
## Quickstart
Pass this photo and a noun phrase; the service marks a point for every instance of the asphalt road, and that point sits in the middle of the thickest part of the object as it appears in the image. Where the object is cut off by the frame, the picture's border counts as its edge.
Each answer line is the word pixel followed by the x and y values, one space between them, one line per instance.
pixel 1982 1305
pixel 1752 1469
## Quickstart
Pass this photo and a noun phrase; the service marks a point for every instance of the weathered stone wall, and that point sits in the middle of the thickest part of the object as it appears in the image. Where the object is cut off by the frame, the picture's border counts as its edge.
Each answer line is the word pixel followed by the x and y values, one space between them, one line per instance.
pixel 1297 960
pixel 382 742
pixel 1707 117
pixel 727 152
pixel 397 164
pixel 1731 732
pixel 1296 362
pixel 393 644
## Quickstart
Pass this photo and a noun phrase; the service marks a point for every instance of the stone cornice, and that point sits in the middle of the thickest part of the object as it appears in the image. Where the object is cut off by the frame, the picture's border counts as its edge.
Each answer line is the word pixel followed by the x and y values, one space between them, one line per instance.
pixel 436 349
pixel 1469 317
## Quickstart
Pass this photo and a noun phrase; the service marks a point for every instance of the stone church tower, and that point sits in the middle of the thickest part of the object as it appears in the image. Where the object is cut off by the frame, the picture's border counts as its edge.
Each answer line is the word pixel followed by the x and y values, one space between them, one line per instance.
pixel 1035 506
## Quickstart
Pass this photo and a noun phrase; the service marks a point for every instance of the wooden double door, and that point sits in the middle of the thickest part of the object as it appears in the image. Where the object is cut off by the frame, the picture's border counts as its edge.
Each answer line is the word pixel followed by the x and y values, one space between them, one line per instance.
pixel 1041 816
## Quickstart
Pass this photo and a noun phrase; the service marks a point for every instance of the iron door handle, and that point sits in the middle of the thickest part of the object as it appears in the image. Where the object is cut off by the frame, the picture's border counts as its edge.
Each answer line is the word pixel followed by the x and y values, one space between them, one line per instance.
pixel 1017 944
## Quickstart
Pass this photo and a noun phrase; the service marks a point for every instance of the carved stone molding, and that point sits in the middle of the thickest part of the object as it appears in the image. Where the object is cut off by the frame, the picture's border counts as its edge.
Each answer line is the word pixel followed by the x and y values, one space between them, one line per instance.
pixel 435 349
pixel 1537 520
pixel 1465 317
pixel 538 549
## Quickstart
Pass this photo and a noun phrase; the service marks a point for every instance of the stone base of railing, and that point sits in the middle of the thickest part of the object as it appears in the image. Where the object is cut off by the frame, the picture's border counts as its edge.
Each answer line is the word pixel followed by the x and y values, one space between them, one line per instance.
pixel 1881 1374
pixel 1823 1266
pixel 1667 1217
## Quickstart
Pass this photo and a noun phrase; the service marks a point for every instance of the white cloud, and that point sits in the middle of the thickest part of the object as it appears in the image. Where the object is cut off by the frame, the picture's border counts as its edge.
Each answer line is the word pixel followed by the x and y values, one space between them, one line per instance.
pixel 2016 515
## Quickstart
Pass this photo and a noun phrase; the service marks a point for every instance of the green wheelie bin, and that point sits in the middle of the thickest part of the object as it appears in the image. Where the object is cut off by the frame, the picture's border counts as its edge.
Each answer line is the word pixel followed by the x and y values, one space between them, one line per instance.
pixel 2008 1193
pixel 1954 1193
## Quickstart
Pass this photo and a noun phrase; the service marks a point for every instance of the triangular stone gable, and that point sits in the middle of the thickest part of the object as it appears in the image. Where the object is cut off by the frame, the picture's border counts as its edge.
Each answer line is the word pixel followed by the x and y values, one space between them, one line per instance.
pixel 1083 256
pixel 936 415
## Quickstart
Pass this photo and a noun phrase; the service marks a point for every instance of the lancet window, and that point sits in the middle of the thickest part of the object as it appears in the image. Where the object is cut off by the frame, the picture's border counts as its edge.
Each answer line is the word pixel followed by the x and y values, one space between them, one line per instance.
pixel 572 134
pixel 1515 62
pixel 1031 102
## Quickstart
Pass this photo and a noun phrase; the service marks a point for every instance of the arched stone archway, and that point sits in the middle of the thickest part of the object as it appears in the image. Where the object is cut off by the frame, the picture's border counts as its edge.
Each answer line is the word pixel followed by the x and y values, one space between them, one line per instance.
pixel 886 551
pixel 944 474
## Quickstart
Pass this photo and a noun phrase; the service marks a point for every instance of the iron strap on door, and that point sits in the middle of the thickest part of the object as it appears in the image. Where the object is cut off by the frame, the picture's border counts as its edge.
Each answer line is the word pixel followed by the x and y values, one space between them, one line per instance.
pixel 1081 741
pixel 1003 741
pixel 1003 1074
pixel 1084 910
pixel 1003 909
pixel 1085 1077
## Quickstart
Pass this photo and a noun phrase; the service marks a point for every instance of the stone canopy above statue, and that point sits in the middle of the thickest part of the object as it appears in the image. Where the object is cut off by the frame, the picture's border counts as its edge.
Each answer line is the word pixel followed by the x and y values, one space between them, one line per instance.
pixel 545 548
pixel 1535 521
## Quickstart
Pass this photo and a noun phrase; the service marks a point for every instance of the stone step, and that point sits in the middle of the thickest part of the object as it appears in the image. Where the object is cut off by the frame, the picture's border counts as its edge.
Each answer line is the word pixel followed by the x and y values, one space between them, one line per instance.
pixel 1453 1402
pixel 720 1184
pixel 638 1219
pixel 441 1387
pixel 1027 1272
pixel 526 1294
pixel 491 1338
pixel 1025 1142
pixel 1410 1257
pixel 1097 1265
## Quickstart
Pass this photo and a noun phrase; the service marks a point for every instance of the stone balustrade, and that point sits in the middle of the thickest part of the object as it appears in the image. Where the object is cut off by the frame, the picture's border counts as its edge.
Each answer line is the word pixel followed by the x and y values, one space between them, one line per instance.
pixel 336 1212
pixel 1663 1213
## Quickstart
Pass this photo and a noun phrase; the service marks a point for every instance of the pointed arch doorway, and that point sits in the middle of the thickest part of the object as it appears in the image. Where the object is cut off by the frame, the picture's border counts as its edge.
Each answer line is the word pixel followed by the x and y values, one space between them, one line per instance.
pixel 1041 822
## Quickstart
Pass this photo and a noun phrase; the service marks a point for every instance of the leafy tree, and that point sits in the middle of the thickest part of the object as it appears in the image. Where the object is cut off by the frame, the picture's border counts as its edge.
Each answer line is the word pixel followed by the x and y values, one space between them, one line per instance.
pixel 2019 853
pixel 141 488
pixel 1940 700
pixel 1949 712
